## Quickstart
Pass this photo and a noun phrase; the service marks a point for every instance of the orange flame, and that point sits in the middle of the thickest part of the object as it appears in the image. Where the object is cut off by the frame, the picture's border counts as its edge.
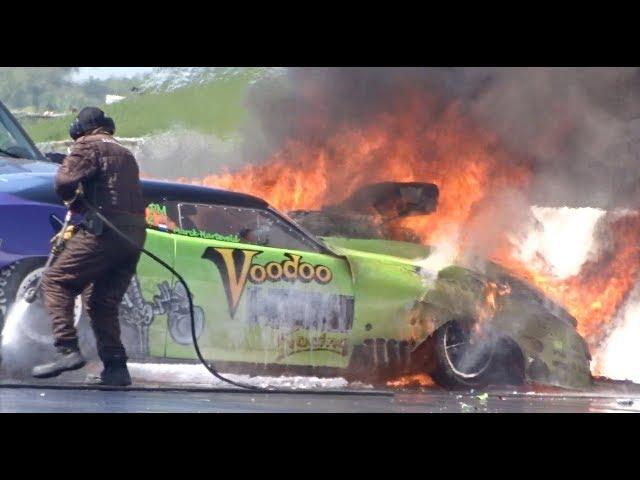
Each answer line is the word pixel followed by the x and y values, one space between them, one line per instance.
pixel 595 294
pixel 469 166
pixel 489 305
pixel 412 381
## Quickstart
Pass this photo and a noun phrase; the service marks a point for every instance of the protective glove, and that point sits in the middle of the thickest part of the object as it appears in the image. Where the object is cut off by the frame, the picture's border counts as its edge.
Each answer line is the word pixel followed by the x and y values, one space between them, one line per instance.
pixel 64 235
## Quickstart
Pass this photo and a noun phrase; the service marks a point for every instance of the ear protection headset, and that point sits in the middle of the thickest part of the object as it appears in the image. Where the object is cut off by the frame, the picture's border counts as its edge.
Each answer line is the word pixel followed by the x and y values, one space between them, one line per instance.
pixel 76 129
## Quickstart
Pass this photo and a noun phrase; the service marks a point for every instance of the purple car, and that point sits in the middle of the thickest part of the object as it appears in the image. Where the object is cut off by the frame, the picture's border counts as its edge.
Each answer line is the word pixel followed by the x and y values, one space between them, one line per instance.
pixel 30 212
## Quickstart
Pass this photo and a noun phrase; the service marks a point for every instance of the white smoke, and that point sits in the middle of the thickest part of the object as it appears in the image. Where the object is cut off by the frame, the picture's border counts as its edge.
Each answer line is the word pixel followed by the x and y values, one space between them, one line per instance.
pixel 619 358
pixel 19 355
pixel 442 256
pixel 197 375
pixel 562 238
pixel 186 154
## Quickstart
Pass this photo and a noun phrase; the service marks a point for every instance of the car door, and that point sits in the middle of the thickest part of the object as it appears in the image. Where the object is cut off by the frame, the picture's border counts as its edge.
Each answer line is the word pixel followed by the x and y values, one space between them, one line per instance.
pixel 147 306
pixel 266 292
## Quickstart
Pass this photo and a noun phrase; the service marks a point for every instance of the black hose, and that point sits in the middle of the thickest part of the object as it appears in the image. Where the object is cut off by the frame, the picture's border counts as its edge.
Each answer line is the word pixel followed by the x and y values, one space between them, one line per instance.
pixel 207 364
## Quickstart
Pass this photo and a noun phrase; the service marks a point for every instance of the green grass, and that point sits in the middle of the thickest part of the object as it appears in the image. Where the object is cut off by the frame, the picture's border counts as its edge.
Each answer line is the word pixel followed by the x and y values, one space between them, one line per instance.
pixel 215 107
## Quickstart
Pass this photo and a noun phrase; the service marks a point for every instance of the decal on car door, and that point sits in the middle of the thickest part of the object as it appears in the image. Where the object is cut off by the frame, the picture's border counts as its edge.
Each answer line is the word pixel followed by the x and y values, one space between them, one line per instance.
pixel 237 268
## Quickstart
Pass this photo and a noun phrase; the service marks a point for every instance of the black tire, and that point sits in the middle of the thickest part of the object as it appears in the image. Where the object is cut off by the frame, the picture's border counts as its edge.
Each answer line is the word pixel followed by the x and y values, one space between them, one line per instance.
pixel 496 361
pixel 459 363
pixel 31 343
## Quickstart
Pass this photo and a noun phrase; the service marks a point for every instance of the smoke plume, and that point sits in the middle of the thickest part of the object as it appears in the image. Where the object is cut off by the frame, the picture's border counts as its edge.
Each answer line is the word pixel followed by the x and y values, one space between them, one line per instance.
pixel 579 127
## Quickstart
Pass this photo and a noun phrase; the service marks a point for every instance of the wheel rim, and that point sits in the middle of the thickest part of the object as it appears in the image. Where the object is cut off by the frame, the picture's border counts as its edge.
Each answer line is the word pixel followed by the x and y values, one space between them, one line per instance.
pixel 38 327
pixel 466 358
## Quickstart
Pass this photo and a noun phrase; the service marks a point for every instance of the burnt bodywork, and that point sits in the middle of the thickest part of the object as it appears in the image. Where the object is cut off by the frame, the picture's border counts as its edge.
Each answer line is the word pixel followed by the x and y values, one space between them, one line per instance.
pixel 367 213
pixel 540 335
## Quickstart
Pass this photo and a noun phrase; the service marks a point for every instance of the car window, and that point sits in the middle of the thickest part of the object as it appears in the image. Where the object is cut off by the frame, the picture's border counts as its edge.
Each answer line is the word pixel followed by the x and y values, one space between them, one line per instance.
pixel 12 141
pixel 241 225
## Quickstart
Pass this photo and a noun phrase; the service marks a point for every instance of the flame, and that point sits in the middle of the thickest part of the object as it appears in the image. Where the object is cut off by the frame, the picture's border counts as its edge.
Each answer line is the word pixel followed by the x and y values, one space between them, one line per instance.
pixel 598 291
pixel 423 141
pixel 308 177
pixel 487 308
pixel 409 381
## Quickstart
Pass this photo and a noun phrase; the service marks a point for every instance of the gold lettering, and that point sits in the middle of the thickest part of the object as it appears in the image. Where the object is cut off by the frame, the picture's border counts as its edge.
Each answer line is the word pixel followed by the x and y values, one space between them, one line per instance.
pixel 258 274
pixel 274 270
pixel 235 282
pixel 290 267
pixel 306 272
pixel 323 274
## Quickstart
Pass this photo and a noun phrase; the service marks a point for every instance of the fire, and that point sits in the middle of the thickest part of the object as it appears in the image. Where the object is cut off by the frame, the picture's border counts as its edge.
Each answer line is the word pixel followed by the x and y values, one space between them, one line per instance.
pixel 422 141
pixel 489 305
pixel 412 147
pixel 409 381
pixel 596 293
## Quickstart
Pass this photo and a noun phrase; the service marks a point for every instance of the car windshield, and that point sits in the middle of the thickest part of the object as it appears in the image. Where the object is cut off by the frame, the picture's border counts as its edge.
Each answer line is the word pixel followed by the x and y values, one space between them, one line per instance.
pixel 13 143
pixel 300 227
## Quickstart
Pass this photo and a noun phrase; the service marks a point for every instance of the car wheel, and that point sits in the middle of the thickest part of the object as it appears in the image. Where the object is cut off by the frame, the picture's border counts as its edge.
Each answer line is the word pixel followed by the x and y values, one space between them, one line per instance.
pixel 461 362
pixel 30 341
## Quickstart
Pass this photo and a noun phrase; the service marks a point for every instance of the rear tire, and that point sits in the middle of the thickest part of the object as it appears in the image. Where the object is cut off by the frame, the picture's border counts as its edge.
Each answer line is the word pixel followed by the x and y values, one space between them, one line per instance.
pixel 459 363
pixel 462 364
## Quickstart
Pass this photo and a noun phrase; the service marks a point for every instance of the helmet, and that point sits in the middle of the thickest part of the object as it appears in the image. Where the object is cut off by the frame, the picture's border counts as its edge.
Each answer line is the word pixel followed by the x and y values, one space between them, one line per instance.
pixel 89 119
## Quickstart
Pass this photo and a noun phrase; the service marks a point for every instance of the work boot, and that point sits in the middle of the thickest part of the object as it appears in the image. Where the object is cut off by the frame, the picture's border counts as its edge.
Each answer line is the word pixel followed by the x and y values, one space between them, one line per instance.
pixel 66 359
pixel 115 374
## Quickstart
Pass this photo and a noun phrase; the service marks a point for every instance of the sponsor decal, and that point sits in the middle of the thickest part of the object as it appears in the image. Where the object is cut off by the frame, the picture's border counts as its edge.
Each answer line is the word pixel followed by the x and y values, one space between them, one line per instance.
pixel 288 310
pixel 155 211
pixel 300 342
pixel 209 236
pixel 237 268
pixel 139 313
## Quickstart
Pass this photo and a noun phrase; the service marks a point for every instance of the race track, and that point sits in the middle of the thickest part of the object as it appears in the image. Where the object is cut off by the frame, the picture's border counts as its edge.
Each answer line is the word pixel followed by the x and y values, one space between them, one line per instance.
pixel 187 388
pixel 90 401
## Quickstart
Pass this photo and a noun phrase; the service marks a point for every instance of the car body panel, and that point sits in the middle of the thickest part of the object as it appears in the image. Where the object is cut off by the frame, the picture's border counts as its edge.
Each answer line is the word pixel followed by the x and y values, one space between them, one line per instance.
pixel 553 351
pixel 25 228
pixel 149 300
pixel 256 317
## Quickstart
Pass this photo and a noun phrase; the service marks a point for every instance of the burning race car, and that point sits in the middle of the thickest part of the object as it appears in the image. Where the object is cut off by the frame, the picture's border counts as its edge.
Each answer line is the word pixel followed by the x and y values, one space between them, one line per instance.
pixel 272 297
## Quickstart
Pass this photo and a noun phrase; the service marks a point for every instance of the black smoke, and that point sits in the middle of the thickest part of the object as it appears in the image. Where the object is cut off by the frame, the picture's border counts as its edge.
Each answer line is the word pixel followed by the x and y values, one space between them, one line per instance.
pixel 578 127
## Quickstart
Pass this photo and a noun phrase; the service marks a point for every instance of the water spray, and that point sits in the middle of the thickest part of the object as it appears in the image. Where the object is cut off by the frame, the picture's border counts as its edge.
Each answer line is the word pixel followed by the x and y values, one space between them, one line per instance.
pixel 31 294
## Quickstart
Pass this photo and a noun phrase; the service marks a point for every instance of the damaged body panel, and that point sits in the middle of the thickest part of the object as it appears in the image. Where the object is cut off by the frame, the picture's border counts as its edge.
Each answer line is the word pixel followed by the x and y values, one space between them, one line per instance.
pixel 406 307
pixel 552 350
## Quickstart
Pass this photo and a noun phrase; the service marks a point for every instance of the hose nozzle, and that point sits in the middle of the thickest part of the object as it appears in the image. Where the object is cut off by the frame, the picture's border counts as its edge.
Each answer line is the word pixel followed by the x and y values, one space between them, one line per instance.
pixel 31 295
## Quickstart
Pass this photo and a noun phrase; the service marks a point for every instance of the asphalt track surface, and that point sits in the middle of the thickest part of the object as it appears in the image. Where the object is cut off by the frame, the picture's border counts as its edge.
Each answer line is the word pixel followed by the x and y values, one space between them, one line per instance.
pixel 67 394
pixel 95 401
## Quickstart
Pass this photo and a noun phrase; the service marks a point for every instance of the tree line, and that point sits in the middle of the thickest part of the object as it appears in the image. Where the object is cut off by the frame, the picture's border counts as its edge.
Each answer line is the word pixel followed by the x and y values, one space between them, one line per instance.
pixel 51 88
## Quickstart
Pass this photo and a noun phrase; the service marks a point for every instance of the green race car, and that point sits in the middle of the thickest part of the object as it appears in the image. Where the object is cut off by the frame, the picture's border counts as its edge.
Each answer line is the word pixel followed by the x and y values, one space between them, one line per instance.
pixel 271 297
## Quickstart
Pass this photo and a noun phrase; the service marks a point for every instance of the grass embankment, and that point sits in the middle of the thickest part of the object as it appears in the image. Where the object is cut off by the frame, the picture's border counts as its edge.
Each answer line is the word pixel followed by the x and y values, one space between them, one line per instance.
pixel 215 108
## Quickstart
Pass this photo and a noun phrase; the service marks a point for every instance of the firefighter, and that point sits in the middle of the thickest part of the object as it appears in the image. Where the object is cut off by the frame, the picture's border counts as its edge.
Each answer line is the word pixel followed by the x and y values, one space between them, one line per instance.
pixel 95 262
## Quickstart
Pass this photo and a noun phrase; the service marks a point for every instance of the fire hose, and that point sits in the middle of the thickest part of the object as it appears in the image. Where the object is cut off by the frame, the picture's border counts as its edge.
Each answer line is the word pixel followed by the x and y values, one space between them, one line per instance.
pixel 31 294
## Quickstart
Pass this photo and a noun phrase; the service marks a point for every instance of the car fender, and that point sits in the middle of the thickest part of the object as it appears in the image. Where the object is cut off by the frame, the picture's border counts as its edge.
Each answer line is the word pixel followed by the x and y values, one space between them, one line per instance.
pixel 553 351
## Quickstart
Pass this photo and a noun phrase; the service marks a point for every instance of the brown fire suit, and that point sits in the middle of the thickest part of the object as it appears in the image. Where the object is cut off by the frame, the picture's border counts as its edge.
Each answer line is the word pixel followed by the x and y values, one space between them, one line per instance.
pixel 95 261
